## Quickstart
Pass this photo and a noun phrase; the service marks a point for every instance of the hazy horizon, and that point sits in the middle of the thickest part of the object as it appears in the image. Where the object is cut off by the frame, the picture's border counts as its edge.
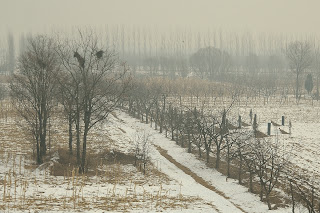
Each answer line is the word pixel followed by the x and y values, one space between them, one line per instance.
pixel 272 16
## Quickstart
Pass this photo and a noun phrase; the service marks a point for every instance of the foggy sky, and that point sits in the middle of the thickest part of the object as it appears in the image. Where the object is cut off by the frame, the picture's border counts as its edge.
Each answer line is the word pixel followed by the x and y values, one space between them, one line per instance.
pixel 275 16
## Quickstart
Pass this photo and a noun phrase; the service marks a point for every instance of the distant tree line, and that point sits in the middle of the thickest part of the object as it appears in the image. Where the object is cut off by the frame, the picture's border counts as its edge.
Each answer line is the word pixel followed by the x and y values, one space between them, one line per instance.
pixel 212 54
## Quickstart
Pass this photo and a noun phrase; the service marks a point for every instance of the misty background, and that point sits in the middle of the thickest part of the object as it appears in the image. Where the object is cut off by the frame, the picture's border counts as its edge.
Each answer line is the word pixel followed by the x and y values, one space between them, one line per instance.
pixel 273 16
pixel 193 68
pixel 172 38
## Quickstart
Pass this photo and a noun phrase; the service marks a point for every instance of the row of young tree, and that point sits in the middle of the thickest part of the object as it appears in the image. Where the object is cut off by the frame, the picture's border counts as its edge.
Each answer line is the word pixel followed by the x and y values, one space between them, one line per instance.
pixel 228 141
pixel 78 76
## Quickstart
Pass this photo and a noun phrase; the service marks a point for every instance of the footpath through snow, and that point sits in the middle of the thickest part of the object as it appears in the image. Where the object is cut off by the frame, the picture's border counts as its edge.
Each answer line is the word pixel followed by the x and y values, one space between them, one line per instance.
pixel 195 178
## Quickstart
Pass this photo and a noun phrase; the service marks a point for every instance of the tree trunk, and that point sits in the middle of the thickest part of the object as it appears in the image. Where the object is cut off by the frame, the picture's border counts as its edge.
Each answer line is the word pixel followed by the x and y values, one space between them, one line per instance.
pixel 42 131
pixel 228 162
pixel 84 149
pixel 147 113
pixel 86 120
pixel 189 143
pixel 161 121
pixel 70 133
pixel 156 120
pixel 172 133
pixel 261 190
pixel 218 158
pixel 250 181
pixel 268 201
pixel 207 154
pixel 182 140
pixel 39 156
pixel 297 85
pixel 78 137
pixel 43 147
pixel 240 170
pixel 292 197
pixel 166 128
pixel 177 135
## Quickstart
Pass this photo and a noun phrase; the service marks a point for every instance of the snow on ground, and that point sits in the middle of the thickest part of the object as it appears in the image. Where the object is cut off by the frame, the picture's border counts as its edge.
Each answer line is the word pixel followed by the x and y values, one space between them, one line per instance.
pixel 188 185
pixel 302 146
pixel 117 187
pixel 36 189
pixel 237 194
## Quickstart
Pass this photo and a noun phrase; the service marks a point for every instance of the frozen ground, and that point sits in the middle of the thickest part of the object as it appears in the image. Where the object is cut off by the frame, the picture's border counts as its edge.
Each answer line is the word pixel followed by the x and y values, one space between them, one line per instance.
pixel 166 187
pixel 234 196
pixel 116 187
pixel 302 147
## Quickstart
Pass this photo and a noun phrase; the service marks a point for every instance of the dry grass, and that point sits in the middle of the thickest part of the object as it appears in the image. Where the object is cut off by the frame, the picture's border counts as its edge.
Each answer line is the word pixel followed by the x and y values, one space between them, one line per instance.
pixel 22 186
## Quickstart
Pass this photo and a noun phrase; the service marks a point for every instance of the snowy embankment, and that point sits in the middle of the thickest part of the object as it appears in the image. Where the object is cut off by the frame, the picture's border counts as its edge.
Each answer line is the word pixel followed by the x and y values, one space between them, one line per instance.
pixel 228 196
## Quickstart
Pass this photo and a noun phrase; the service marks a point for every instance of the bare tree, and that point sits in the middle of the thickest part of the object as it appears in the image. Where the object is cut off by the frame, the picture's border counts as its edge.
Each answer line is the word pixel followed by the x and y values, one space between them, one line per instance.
pixel 235 143
pixel 248 155
pixel 33 88
pixel 67 96
pixel 70 85
pixel 316 70
pixel 102 82
pixel 302 190
pixel 269 163
pixel 300 58
pixel 11 53
pixel 142 149
pixel 308 84
pixel 220 135
pixel 145 95
pixel 242 152
pixel 22 43
pixel 196 137
pixel 205 128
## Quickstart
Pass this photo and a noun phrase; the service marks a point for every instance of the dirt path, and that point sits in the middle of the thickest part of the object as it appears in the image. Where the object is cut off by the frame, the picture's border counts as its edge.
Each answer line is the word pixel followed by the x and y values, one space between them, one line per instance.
pixel 195 178
pixel 198 179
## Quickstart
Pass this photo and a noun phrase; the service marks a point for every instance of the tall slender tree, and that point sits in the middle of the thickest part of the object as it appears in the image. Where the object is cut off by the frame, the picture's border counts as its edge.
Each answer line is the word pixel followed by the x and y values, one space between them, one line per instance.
pixel 300 58
pixel 11 53
pixel 33 88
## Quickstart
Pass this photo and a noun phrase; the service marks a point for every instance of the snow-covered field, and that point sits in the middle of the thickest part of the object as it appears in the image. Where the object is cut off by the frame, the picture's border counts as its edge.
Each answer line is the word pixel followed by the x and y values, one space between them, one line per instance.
pixel 302 147
pixel 116 187
pixel 175 181
pixel 235 198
